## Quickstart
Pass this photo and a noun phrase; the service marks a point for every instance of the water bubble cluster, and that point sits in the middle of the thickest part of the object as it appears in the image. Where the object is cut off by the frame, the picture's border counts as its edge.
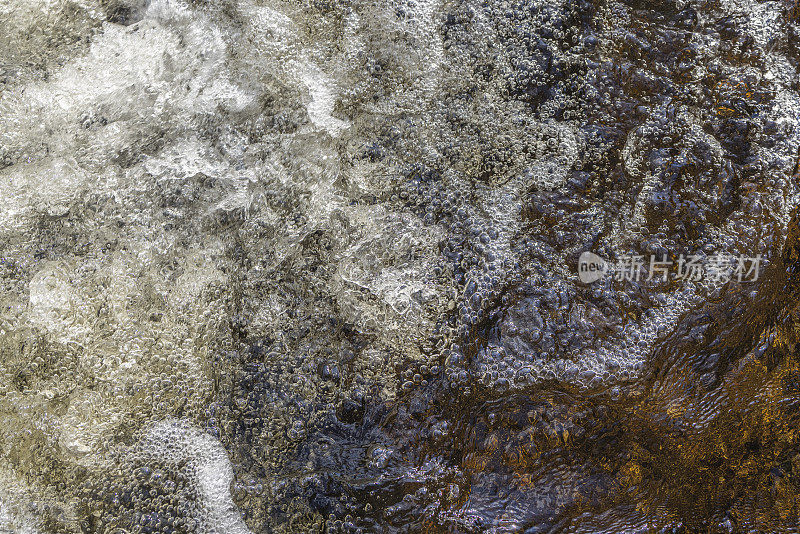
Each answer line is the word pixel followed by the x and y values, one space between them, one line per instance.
pixel 308 266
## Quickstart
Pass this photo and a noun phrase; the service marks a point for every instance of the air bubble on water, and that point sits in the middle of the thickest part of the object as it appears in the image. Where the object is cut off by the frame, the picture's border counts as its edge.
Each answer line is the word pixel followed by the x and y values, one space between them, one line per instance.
pixel 759 18
pixel 56 305
pixel 179 442
pixel 280 37
pixel 15 498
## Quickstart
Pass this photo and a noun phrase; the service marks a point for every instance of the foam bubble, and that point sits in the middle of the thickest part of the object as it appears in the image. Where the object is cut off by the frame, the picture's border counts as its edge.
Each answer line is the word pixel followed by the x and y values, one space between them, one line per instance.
pixel 176 441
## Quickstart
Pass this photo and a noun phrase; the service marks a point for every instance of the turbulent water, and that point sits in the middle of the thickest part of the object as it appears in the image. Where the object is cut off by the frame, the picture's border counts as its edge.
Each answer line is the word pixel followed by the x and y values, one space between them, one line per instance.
pixel 296 266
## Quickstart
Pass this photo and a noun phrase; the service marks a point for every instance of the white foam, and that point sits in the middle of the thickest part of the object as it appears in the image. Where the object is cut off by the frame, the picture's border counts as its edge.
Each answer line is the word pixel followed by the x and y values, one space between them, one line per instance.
pixel 10 524
pixel 279 38
pixel 55 303
pixel 180 441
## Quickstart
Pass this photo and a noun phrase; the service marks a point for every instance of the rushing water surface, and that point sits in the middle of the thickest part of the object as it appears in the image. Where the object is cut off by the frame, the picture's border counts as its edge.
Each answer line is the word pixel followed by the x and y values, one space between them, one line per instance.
pixel 296 266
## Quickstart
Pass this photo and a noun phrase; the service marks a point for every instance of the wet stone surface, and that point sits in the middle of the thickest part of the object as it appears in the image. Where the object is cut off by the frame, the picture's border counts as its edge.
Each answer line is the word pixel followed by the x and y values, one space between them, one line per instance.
pixel 276 266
